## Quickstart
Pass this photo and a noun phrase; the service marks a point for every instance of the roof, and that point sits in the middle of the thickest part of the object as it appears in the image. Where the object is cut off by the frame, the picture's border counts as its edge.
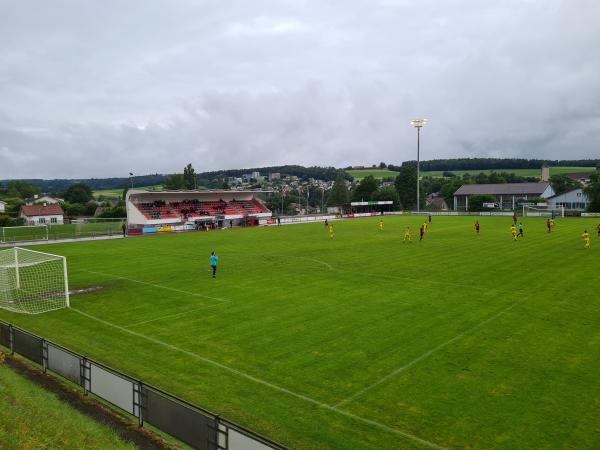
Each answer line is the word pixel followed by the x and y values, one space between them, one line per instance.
pixel 438 202
pixel 4 203
pixel 564 194
pixel 42 210
pixel 503 188
pixel 579 175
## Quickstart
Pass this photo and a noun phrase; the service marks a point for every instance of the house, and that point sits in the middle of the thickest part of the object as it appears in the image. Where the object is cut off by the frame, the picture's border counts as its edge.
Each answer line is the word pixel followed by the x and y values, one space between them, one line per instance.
pixel 572 200
pixel 582 177
pixel 506 195
pixel 2 206
pixel 435 201
pixel 44 198
pixel 274 176
pixel 44 214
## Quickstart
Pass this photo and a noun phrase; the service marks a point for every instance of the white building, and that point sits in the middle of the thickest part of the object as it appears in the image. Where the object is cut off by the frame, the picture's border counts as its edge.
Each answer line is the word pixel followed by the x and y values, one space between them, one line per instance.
pixel 45 198
pixel 2 206
pixel 274 176
pixel 572 200
pixel 42 214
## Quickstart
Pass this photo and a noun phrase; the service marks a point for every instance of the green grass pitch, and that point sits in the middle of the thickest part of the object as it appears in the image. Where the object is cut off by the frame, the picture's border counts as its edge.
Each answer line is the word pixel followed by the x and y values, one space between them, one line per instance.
pixel 360 342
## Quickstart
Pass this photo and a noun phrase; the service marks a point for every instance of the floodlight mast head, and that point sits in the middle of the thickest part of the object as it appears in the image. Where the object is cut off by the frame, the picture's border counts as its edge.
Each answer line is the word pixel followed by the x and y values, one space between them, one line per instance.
pixel 418 124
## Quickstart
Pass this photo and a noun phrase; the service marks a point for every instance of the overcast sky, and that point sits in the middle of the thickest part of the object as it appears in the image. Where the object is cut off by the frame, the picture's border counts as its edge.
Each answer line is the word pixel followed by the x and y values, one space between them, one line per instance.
pixel 102 88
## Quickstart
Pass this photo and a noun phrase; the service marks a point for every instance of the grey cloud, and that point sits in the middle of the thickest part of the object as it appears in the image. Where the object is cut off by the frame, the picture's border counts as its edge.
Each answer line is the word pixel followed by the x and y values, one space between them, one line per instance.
pixel 99 89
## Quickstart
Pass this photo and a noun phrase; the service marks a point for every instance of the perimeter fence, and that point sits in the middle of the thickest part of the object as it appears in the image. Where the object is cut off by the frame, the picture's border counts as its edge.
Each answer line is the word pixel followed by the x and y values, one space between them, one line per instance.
pixel 183 420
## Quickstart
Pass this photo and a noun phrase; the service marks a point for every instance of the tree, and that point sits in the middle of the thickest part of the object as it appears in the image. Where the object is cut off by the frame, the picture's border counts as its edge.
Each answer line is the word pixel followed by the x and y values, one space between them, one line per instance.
pixel 339 193
pixel 592 191
pixel 21 189
pixel 476 202
pixel 562 183
pixel 449 188
pixel 189 177
pixel 406 185
pixel 382 165
pixel 79 193
pixel 365 189
pixel 175 182
pixel 387 193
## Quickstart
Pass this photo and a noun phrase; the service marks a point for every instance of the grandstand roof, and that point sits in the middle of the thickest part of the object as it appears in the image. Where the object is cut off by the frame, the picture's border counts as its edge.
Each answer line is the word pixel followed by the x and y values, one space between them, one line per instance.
pixel 503 188
pixel 195 191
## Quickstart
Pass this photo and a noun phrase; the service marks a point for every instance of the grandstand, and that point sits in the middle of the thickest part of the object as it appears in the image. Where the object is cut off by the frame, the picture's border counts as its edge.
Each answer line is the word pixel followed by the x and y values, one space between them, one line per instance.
pixel 180 210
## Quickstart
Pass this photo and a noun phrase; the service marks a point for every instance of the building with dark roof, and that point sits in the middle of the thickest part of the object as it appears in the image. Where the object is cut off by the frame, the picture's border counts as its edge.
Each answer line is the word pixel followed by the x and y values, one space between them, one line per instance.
pixel 506 195
pixel 582 177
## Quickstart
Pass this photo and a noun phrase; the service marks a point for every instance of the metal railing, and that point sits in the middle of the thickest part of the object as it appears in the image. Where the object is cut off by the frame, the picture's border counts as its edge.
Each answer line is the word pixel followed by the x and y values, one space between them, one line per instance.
pixel 179 418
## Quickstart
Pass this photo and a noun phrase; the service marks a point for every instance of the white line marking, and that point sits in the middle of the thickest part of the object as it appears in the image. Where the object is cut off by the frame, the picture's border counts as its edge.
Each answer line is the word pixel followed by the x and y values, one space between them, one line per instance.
pixel 321 262
pixel 423 356
pixel 265 383
pixel 157 286
pixel 170 316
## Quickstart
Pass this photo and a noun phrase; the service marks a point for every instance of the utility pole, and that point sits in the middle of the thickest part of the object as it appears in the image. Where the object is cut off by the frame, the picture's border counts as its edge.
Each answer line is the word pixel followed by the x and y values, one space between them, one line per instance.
pixel 418 124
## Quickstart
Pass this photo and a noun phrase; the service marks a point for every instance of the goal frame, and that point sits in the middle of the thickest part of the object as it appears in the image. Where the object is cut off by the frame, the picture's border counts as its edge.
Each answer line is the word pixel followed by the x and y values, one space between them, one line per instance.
pixel 42 225
pixel 17 267
pixel 543 211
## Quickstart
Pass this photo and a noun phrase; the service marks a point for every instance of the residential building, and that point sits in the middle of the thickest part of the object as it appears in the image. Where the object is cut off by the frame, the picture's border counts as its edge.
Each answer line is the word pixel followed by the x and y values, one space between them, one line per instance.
pixel 572 200
pixel 2 206
pixel 435 201
pixel 44 214
pixel 44 198
pixel 506 195
pixel 582 177
pixel 274 176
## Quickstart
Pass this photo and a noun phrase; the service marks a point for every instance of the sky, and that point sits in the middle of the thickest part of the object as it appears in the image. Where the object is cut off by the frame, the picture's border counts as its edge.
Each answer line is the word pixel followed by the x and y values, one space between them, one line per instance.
pixel 104 88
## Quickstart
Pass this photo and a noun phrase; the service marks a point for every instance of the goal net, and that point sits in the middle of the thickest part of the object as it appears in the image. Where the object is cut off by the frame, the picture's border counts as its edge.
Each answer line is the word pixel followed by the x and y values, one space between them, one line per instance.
pixel 543 211
pixel 24 233
pixel 32 282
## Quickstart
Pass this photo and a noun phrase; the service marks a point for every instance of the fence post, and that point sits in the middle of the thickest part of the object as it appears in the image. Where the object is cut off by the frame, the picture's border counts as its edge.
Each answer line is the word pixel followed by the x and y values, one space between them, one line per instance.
pixel 83 375
pixel 137 389
pixel 10 339
pixel 44 346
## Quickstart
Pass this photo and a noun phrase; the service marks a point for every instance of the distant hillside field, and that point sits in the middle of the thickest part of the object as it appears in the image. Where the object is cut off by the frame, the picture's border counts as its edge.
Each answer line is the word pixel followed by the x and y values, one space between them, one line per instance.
pixel 520 172
pixel 359 174
pixel 117 193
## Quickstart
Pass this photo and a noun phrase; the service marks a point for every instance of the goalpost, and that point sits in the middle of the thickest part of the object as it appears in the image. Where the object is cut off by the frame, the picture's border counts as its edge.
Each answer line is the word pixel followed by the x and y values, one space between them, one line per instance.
pixel 24 233
pixel 32 282
pixel 543 211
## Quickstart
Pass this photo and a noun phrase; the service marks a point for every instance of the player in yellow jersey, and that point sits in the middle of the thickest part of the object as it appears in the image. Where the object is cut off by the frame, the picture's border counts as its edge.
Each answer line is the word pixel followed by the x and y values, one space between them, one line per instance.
pixel 407 235
pixel 586 239
pixel 513 231
pixel 425 227
pixel 381 225
pixel 331 233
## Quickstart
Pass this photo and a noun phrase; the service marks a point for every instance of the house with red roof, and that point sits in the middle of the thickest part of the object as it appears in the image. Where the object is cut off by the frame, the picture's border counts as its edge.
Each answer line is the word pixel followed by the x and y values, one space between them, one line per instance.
pixel 44 214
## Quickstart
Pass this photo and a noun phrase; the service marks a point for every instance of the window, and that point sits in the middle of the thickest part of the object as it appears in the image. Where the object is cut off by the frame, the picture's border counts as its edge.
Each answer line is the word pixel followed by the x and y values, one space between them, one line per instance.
pixel 53 220
pixel 42 220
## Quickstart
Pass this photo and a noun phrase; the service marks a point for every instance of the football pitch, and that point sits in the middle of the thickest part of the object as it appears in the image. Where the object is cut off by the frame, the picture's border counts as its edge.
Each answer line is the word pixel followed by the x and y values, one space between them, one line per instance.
pixel 356 342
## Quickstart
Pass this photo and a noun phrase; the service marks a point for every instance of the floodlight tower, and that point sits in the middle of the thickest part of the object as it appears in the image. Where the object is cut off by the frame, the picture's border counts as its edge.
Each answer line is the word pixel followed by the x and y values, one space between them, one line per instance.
pixel 418 124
